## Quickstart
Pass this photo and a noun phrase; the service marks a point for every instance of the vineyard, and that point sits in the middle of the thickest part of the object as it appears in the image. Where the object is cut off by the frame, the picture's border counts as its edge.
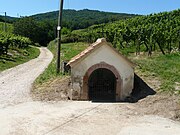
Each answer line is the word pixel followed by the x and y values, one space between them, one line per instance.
pixel 9 27
pixel 15 50
pixel 11 41
pixel 154 32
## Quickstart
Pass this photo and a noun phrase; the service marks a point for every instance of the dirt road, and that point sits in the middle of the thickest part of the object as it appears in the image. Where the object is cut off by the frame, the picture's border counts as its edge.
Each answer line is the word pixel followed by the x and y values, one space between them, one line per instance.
pixel 15 83
pixel 82 118
pixel 19 115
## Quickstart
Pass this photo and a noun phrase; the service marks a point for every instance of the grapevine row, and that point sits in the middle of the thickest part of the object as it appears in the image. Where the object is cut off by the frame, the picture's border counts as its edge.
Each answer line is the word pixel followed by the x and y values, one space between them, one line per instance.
pixel 8 40
pixel 144 33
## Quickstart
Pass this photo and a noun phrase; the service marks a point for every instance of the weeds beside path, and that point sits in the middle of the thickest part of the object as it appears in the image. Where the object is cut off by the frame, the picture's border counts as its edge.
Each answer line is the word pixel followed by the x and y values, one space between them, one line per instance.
pixel 164 67
pixel 50 85
pixel 68 51
pixel 18 56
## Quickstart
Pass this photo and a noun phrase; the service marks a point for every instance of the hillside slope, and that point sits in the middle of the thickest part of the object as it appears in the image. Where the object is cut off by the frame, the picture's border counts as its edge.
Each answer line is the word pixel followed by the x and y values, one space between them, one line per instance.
pixel 78 19
pixel 154 32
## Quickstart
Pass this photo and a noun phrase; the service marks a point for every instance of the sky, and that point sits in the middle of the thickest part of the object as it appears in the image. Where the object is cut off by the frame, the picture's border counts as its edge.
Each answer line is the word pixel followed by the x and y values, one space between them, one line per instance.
pixel 18 8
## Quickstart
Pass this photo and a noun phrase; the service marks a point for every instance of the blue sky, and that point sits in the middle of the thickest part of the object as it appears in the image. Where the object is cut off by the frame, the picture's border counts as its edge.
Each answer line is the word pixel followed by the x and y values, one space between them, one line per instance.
pixel 30 7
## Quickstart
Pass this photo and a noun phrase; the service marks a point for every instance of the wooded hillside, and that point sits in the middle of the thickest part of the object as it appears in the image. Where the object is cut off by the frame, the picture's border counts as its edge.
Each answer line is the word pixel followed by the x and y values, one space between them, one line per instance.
pixel 79 19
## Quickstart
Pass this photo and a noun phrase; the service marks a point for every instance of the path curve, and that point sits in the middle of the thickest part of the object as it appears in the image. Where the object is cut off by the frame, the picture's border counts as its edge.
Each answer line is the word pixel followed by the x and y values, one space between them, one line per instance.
pixel 15 83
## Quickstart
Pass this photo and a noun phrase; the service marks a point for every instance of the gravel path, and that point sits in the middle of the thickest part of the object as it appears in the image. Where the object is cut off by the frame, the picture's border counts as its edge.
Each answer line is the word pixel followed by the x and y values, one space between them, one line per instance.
pixel 15 83
pixel 82 118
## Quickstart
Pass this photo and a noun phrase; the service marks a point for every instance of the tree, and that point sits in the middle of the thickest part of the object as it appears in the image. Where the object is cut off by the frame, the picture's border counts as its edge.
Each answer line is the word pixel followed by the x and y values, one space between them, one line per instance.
pixel 39 32
pixel 27 27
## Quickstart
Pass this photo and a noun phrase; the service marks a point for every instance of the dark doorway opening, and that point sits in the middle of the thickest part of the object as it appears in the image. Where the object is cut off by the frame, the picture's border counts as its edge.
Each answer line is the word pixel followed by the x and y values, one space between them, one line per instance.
pixel 102 85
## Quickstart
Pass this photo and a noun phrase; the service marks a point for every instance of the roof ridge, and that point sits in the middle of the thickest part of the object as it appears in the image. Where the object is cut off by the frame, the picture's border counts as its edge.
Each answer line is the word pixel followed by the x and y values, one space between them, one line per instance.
pixel 87 50
pixel 92 47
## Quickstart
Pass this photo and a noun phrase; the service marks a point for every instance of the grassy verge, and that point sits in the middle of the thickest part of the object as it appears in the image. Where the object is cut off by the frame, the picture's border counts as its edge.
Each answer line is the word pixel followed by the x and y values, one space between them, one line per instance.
pixel 50 86
pixel 17 56
pixel 8 25
pixel 165 67
pixel 68 51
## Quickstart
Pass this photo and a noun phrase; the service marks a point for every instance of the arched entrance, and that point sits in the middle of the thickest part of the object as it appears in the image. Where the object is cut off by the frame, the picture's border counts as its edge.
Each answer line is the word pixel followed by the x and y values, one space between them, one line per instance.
pixel 102 85
pixel 91 74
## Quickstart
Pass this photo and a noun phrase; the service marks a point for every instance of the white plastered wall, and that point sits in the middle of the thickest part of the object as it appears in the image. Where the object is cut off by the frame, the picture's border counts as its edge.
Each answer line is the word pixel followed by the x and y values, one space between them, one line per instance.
pixel 105 54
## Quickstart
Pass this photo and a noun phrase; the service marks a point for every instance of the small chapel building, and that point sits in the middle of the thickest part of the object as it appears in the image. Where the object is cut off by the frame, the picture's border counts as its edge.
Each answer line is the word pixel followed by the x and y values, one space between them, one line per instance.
pixel 101 73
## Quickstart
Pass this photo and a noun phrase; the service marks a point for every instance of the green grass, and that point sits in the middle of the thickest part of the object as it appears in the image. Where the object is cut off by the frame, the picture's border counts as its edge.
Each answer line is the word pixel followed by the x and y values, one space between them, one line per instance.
pixel 17 56
pixel 165 67
pixel 68 51
pixel 9 27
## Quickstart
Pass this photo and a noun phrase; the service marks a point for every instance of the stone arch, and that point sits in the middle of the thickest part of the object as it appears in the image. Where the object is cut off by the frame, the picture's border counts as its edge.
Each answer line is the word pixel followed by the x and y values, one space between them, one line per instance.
pixel 85 95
